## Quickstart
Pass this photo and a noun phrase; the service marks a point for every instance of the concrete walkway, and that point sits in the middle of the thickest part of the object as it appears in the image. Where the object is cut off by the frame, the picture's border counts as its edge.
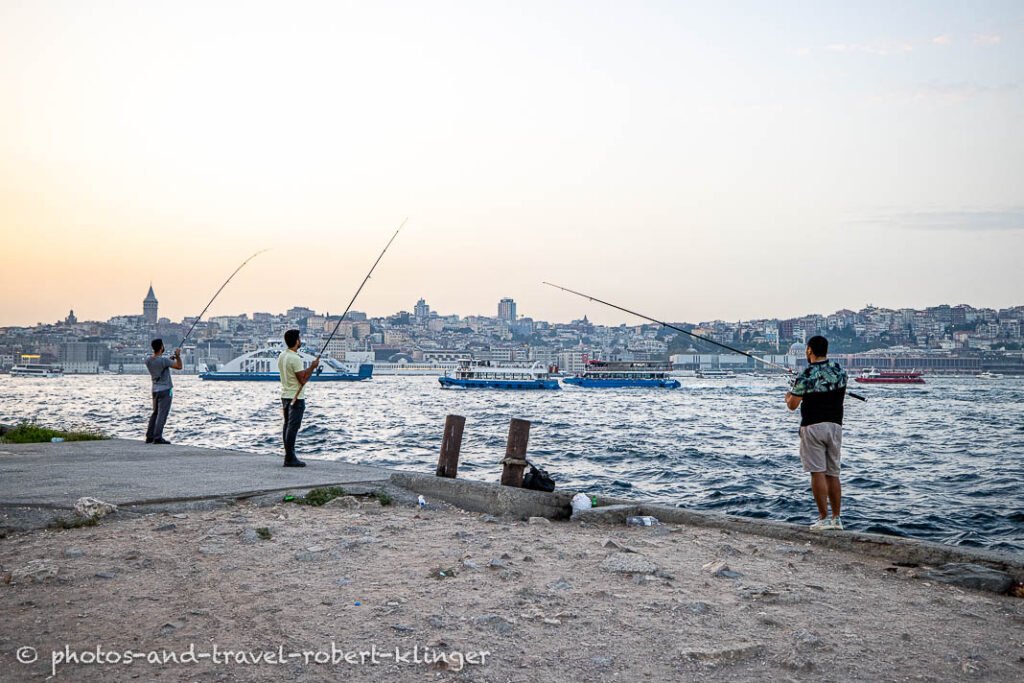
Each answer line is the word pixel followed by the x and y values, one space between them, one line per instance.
pixel 39 482
pixel 124 472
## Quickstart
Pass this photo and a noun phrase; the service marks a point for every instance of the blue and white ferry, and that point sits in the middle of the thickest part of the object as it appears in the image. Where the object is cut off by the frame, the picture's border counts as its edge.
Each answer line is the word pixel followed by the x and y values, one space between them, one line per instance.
pixel 607 374
pixel 484 375
pixel 261 366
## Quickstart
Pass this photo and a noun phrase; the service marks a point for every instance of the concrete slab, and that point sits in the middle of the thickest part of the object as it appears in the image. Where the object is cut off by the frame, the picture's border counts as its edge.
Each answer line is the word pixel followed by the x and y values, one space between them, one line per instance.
pixel 132 474
pixel 126 472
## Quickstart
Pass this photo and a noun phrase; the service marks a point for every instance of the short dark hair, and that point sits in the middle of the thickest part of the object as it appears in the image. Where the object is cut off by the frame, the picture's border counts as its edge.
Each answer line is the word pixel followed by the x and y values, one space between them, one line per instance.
pixel 290 337
pixel 157 345
pixel 818 345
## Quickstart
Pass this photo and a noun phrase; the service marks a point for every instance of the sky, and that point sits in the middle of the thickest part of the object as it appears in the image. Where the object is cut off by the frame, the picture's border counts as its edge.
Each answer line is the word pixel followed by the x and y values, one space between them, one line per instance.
pixel 694 161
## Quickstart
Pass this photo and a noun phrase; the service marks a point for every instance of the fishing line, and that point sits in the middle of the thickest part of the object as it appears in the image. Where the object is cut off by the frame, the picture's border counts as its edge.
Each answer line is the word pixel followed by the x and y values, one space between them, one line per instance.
pixel 679 329
pixel 350 303
pixel 196 321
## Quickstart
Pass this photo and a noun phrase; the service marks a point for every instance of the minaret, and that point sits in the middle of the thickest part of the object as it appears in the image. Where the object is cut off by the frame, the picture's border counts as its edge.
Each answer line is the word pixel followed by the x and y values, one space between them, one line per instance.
pixel 149 305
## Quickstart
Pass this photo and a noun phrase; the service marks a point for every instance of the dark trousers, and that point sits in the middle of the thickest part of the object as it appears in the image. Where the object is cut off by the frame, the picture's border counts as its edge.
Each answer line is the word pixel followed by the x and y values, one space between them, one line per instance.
pixel 292 422
pixel 161 407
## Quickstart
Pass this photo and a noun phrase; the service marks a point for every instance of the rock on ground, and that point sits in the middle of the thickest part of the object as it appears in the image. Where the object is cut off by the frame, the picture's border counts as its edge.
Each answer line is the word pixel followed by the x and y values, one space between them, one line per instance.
pixel 971 576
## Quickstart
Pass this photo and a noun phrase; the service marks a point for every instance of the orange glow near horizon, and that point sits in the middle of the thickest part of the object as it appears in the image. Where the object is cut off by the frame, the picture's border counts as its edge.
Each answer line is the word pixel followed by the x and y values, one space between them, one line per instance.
pixel 674 159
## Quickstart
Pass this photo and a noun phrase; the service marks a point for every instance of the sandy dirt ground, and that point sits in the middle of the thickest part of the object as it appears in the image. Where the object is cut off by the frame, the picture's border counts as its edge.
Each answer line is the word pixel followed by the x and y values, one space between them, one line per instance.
pixel 516 602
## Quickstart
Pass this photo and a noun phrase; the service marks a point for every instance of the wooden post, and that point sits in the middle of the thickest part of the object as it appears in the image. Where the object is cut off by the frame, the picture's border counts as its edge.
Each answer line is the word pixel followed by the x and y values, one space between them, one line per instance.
pixel 451 444
pixel 514 463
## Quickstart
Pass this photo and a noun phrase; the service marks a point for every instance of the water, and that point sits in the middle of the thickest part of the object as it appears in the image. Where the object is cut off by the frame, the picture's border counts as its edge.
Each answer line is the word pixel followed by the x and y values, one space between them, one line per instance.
pixel 941 461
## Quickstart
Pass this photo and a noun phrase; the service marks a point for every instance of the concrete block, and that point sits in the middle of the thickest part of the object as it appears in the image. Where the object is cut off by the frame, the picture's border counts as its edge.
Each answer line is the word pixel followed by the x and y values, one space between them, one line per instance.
pixel 606 514
pixel 478 496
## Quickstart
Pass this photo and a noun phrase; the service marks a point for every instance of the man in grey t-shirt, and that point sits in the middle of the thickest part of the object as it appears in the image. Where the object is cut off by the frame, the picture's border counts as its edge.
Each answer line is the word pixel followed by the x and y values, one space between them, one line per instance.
pixel 160 367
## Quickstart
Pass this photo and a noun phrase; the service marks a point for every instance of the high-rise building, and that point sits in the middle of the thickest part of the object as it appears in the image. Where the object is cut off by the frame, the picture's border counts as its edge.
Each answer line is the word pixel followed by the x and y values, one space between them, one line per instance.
pixel 149 306
pixel 422 310
pixel 507 310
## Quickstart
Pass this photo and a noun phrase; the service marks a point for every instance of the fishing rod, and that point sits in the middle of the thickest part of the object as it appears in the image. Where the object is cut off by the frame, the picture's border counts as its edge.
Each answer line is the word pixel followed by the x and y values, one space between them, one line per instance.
pixel 350 303
pixel 196 321
pixel 679 329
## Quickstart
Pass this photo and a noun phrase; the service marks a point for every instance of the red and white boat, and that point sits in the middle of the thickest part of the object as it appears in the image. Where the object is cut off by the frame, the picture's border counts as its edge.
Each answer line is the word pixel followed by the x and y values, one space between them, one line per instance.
pixel 872 376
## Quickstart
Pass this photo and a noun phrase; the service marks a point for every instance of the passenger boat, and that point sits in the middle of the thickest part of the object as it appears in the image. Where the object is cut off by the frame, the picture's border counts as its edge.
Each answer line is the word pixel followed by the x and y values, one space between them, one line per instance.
pixel 874 377
pixel 716 374
pixel 607 374
pixel 36 370
pixel 261 366
pixel 483 375
pixel 436 368
pixel 989 375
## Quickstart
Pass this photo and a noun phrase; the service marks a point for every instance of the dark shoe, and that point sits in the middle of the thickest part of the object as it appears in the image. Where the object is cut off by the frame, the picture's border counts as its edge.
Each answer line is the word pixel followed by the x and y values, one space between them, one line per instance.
pixel 295 462
pixel 162 442
pixel 149 440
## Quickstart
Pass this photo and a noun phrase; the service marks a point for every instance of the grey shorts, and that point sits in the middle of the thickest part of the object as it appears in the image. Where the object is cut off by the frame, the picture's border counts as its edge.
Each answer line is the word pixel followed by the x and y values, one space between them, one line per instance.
pixel 819 447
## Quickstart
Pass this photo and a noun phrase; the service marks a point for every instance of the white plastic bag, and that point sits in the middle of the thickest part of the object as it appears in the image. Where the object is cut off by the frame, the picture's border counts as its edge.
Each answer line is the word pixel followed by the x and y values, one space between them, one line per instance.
pixel 581 501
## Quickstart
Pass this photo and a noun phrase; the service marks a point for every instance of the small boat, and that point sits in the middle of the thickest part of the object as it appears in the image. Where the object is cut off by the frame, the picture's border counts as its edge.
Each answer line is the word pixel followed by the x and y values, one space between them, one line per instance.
pixel 261 366
pixel 606 374
pixel 872 376
pixel 989 375
pixel 37 370
pixel 484 375
pixel 716 374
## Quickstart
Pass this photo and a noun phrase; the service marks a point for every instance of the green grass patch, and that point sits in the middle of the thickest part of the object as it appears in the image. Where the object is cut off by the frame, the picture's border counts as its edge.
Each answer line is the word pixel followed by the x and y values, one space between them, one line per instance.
pixel 264 533
pixel 73 523
pixel 28 432
pixel 317 497
pixel 383 498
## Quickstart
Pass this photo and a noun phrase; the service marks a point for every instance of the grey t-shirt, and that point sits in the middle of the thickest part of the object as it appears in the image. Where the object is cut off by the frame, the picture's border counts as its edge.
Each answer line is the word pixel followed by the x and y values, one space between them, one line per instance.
pixel 160 370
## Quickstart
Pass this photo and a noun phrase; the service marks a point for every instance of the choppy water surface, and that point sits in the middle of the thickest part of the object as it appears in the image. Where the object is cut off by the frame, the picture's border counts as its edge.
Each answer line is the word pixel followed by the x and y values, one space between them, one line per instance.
pixel 943 461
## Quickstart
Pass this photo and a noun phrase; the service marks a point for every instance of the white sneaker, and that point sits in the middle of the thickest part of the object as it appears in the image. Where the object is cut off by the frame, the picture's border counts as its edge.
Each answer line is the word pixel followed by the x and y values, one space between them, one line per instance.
pixel 822 525
pixel 837 523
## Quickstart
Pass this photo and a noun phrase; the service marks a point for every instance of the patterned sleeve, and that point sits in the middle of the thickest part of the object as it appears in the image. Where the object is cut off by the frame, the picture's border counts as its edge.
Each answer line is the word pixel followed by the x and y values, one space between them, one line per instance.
pixel 801 385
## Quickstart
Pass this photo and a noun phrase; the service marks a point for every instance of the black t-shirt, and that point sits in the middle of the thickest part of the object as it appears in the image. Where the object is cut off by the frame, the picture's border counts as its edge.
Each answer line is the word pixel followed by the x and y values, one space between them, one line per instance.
pixel 823 388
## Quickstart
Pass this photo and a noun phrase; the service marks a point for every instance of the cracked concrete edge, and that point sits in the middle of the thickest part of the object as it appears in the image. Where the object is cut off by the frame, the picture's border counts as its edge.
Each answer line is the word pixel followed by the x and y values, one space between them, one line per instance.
pixel 19 518
pixel 506 501
pixel 521 503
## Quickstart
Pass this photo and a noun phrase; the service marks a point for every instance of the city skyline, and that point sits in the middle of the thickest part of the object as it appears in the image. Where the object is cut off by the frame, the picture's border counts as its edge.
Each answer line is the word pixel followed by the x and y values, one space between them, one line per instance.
pixel 957 339
pixel 693 162
pixel 507 310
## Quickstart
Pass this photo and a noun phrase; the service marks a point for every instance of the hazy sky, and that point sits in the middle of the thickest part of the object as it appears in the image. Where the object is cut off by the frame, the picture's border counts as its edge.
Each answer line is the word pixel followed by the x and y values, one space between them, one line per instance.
pixel 686 159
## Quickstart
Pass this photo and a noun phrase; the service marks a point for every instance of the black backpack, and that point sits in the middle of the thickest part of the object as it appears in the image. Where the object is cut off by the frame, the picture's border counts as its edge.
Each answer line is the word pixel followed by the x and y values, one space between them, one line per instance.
pixel 538 480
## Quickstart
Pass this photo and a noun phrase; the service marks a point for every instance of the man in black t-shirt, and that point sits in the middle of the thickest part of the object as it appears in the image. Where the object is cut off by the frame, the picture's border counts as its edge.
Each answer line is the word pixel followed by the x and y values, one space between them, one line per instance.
pixel 819 391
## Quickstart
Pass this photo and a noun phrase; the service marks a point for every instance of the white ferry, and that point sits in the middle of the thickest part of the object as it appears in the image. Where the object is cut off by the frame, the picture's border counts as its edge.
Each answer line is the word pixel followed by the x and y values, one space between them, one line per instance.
pixel 430 369
pixel 261 365
pixel 485 375
pixel 36 370
pixel 609 374
pixel 716 374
